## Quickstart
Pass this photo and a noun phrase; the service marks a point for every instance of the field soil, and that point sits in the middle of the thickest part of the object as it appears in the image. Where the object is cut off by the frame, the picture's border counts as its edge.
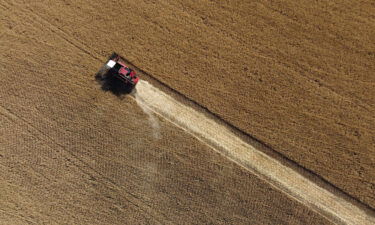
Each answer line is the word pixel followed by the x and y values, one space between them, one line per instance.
pixel 299 77
pixel 73 154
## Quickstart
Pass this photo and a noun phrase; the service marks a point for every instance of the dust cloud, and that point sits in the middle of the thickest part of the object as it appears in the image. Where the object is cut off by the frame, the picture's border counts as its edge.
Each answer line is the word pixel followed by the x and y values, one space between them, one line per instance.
pixel 152 119
pixel 224 141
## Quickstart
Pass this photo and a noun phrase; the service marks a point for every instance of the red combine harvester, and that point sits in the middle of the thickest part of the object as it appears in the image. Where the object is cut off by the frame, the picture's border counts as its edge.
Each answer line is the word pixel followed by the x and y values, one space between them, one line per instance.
pixel 115 67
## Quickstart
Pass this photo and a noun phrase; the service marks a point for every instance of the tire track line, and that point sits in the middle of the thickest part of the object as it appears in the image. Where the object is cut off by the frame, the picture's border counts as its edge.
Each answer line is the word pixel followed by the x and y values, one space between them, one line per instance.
pixel 325 207
pixel 224 141
pixel 20 217
pixel 59 32
pixel 86 168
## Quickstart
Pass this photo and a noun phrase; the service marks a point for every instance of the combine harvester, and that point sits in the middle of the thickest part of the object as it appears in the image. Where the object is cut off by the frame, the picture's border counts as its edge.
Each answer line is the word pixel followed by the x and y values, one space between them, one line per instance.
pixel 115 70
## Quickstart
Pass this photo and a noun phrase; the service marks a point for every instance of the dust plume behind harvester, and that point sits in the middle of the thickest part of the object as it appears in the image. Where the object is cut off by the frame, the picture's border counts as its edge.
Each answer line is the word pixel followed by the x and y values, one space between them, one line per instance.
pixel 116 76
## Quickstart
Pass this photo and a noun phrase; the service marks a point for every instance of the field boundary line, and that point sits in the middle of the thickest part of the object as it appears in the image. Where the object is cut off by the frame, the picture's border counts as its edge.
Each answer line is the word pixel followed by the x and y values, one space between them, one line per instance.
pixel 224 141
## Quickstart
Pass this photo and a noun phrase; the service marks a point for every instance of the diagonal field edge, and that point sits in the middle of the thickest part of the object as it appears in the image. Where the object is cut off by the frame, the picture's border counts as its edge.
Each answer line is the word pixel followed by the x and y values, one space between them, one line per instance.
pixel 96 56
pixel 279 156
pixel 224 141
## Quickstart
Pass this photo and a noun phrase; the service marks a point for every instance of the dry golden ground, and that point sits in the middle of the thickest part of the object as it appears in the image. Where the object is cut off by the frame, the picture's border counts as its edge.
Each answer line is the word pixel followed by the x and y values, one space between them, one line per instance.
pixel 299 76
pixel 72 154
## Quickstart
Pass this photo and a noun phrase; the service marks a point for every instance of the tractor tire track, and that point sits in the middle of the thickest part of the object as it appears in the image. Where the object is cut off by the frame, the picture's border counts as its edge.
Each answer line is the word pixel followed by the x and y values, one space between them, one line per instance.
pixel 83 166
pixel 224 141
pixel 251 161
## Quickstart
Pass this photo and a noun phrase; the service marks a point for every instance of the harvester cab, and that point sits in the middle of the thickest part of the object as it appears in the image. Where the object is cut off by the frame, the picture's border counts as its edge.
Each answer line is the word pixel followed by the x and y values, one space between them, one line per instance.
pixel 117 74
pixel 118 69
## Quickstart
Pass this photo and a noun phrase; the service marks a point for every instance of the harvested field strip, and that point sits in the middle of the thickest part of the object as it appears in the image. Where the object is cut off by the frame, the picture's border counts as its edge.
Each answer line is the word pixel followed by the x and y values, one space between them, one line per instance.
pixel 221 139
pixel 309 67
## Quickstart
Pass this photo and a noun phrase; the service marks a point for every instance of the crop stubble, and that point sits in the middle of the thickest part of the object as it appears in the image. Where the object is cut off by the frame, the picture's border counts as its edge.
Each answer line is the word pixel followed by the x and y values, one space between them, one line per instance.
pixel 299 76
pixel 73 154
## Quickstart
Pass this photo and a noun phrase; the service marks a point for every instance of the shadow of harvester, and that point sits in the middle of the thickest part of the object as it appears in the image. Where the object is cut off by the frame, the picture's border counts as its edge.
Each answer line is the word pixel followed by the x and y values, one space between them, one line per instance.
pixel 110 83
